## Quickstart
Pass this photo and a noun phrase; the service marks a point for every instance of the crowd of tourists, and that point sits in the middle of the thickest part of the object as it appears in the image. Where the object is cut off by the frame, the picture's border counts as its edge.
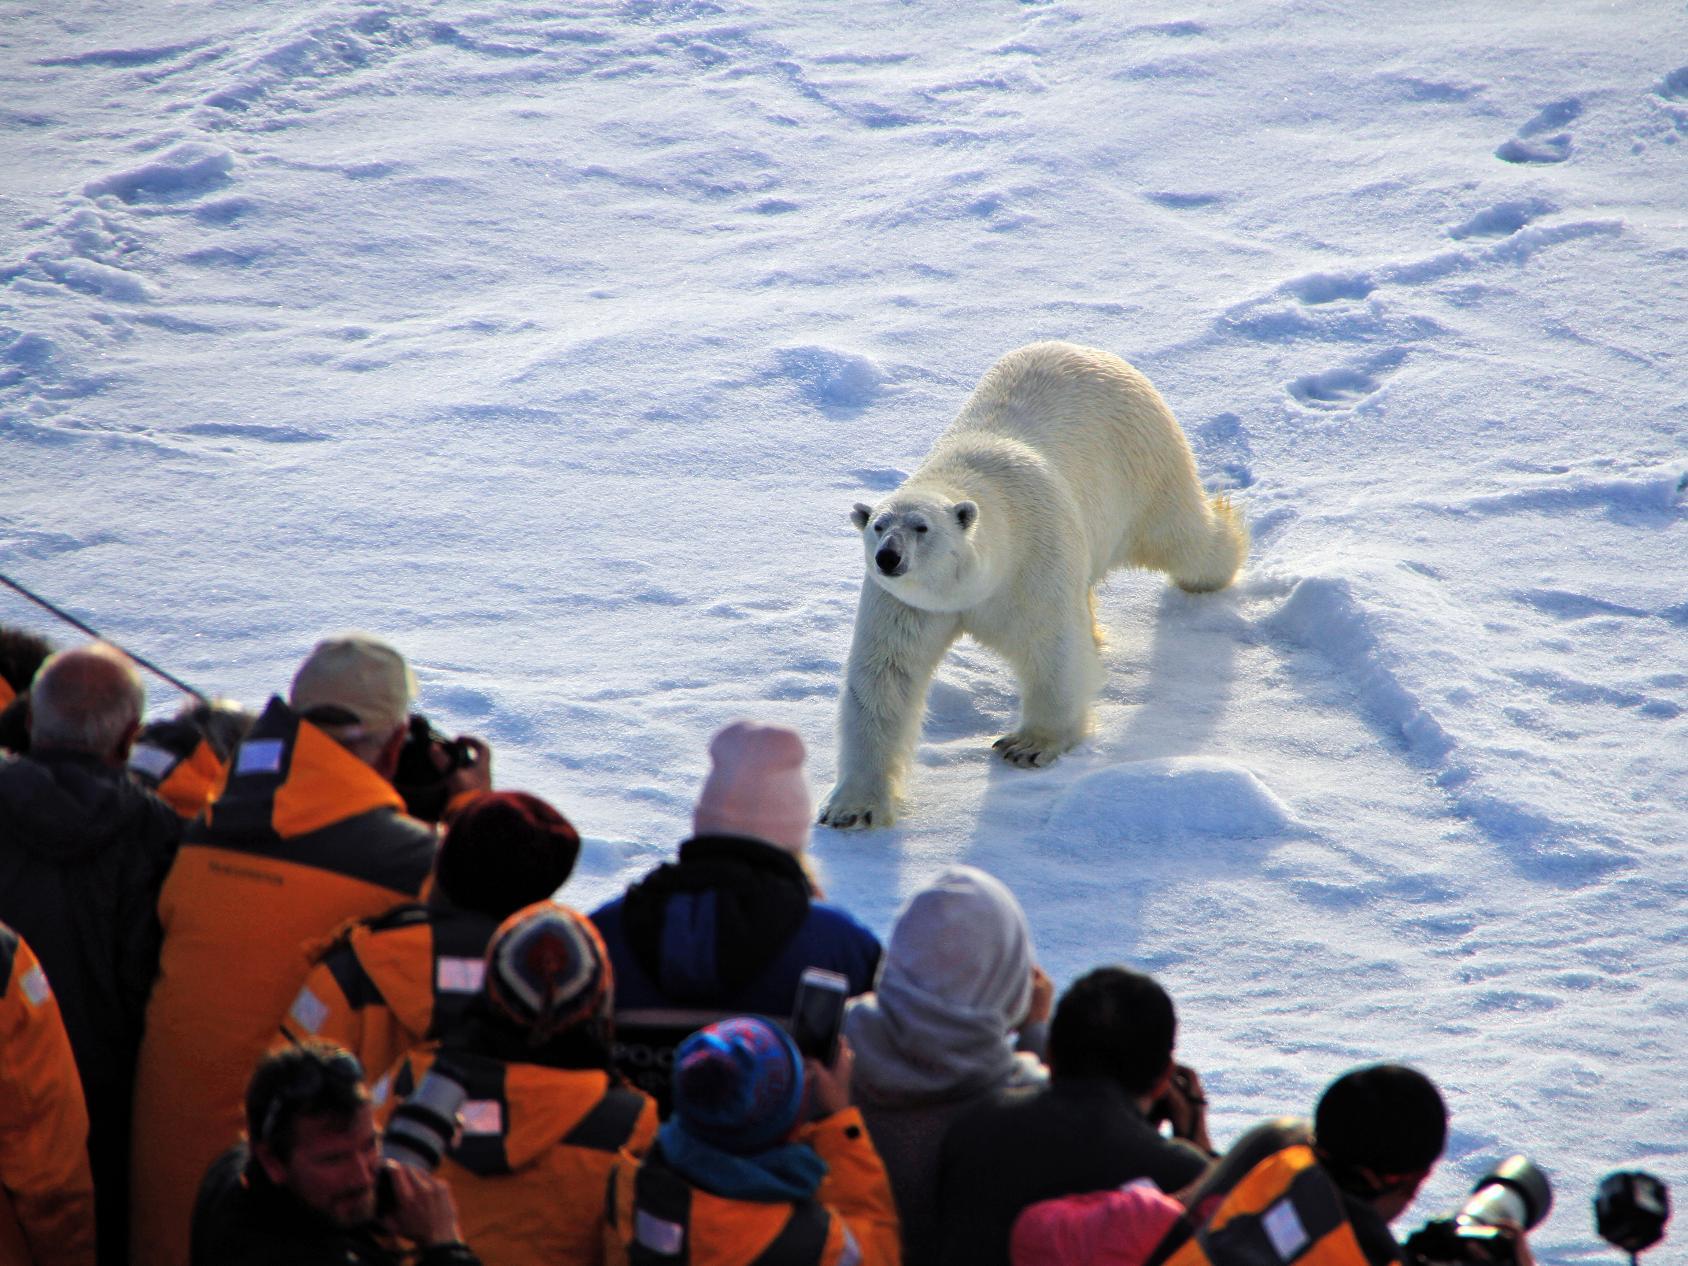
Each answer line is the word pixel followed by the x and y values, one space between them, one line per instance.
pixel 242 955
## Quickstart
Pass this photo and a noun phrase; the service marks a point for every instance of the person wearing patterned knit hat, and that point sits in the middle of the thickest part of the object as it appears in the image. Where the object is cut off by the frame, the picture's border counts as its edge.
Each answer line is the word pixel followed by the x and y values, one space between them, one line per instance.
pixel 763 1162
pixel 729 927
pixel 543 1115
pixel 395 980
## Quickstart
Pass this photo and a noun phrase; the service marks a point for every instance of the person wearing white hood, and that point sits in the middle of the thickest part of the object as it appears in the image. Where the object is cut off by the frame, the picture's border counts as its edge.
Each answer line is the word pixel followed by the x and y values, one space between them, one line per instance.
pixel 937 1034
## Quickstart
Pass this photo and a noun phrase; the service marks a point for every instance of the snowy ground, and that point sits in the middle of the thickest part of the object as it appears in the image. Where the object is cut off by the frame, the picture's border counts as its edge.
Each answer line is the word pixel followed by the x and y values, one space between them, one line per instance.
pixel 554 340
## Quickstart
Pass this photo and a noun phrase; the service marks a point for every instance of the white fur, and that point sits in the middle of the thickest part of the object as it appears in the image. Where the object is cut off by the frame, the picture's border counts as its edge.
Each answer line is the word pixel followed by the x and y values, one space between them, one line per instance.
pixel 1063 465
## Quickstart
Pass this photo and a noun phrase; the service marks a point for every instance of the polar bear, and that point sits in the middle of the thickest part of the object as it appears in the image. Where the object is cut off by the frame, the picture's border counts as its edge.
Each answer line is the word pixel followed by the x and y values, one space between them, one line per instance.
pixel 1063 464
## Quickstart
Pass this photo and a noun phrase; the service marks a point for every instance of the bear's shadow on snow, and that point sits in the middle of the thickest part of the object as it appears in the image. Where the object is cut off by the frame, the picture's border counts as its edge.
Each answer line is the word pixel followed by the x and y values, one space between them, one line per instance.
pixel 1143 807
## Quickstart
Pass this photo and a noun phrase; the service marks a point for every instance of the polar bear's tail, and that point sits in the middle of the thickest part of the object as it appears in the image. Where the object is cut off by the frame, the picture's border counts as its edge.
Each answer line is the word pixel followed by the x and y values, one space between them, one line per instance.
pixel 1213 562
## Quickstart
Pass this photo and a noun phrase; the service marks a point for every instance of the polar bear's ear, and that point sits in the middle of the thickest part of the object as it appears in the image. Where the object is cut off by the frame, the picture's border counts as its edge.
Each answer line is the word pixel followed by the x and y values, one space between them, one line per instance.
pixel 860 514
pixel 966 514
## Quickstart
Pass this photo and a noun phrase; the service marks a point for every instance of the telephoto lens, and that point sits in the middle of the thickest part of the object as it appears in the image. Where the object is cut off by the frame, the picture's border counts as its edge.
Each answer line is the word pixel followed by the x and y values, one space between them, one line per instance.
pixel 1513 1192
pixel 1631 1209
pixel 422 1127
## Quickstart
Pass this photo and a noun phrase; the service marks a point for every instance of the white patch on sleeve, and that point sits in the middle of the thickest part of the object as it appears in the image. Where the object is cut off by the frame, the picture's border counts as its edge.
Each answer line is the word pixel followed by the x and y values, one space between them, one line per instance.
pixel 154 762
pixel 1284 1229
pixel 851 1253
pixel 482 1116
pixel 35 987
pixel 458 975
pixel 380 1090
pixel 308 1011
pixel 658 1234
pixel 259 756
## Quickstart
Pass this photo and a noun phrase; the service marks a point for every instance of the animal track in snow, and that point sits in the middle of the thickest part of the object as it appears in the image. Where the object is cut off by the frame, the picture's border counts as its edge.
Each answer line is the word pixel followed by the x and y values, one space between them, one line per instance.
pixel 1347 385
pixel 1532 145
pixel 1503 219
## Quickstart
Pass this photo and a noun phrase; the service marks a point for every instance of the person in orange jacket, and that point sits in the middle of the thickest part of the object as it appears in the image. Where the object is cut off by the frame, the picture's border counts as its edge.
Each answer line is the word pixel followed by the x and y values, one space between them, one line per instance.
pixel 544 1115
pixel 407 976
pixel 46 1186
pixel 736 1177
pixel 307 833
pixel 184 759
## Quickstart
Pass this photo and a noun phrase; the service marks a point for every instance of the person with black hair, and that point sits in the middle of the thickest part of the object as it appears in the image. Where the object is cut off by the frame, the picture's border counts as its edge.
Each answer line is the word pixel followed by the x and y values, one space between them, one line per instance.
pixel 304 1187
pixel 1110 1064
pixel 545 1114
pixel 387 983
pixel 83 854
pixel 21 655
pixel 1283 1194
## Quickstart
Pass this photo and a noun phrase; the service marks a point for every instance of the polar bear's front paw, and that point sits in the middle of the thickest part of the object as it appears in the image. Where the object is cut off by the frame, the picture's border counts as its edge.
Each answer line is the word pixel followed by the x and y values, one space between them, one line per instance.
pixel 1030 750
pixel 846 809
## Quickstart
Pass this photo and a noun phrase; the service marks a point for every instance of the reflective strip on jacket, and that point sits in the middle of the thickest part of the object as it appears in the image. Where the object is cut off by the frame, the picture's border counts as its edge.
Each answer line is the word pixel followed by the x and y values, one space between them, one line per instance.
pixel 389 984
pixel 304 837
pixel 46 1187
pixel 1287 1210
pixel 658 1218
pixel 186 781
pixel 532 1164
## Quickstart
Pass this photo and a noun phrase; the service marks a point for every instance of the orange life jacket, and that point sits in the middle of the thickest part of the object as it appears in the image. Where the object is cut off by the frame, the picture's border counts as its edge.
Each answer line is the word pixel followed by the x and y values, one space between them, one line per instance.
pixel 303 837
pixel 46 1186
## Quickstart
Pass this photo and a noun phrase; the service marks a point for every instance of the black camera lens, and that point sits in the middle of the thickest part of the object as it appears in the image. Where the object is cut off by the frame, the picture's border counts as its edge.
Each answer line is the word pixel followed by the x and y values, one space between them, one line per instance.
pixel 1631 1209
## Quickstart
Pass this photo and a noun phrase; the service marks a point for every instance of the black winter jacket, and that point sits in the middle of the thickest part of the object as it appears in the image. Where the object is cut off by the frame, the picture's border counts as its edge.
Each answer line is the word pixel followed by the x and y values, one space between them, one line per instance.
pixel 83 853
pixel 241 1218
pixel 1022 1146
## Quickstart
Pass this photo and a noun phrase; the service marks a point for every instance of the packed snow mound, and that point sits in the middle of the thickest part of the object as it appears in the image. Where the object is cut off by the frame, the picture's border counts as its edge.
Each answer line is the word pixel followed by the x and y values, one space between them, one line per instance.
pixel 1171 798
pixel 831 378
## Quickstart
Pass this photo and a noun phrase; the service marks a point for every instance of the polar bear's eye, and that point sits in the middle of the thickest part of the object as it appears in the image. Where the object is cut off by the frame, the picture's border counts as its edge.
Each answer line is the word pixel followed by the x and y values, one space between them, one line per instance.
pixel 920 528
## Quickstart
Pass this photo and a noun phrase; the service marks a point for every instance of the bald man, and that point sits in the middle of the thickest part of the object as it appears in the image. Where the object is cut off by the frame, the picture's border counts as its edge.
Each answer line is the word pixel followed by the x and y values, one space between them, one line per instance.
pixel 83 852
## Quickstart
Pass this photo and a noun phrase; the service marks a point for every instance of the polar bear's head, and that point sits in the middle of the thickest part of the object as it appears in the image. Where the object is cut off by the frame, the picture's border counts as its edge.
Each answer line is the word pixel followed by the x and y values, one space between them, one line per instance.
pixel 921 548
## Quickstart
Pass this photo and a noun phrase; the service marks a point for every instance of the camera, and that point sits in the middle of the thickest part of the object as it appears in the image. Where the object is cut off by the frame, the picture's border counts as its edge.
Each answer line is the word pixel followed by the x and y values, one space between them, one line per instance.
pixel 817 1016
pixel 1514 1192
pixel 426 761
pixel 1630 1210
pixel 422 1127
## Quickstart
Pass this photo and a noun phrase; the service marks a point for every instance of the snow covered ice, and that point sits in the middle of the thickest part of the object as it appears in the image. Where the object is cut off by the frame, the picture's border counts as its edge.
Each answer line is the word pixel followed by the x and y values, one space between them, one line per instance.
pixel 554 341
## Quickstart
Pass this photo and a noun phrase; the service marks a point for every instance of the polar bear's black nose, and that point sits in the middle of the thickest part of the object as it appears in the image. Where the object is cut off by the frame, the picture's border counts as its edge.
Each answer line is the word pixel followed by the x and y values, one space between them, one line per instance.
pixel 890 562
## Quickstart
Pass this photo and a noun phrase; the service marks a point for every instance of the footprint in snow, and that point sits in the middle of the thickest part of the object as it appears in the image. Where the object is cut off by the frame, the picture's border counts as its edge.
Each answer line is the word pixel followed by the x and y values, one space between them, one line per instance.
pixel 1502 220
pixel 1539 141
pixel 1345 386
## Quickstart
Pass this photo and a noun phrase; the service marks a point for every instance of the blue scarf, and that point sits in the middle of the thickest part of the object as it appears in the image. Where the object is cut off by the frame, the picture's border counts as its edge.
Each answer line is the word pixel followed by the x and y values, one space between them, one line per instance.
pixel 789 1172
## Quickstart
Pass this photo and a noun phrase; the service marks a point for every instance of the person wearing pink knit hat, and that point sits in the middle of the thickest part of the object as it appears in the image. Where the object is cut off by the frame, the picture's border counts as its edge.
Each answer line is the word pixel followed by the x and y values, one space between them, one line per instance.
pixel 756 787
pixel 729 927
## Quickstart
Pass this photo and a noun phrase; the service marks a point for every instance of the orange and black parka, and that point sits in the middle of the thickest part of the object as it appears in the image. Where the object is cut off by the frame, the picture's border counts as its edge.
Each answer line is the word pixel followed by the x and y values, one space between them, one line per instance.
pixel 656 1217
pixel 175 761
pixel 1287 1210
pixel 303 837
pixel 531 1166
pixel 394 982
pixel 46 1186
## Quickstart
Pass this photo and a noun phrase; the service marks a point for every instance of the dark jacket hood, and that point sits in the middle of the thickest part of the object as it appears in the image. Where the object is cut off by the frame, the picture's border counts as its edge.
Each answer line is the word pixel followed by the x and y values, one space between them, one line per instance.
pixel 705 925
